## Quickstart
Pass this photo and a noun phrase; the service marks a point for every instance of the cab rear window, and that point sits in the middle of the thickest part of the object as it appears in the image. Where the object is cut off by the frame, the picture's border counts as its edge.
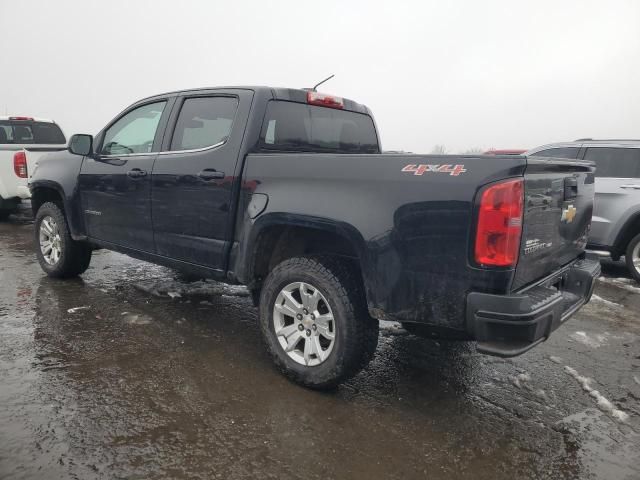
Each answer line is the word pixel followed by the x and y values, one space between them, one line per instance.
pixel 299 127
pixel 20 132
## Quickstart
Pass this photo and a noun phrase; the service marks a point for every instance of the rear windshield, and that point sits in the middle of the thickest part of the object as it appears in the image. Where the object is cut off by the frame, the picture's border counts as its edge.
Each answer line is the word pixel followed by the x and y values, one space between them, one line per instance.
pixel 299 127
pixel 21 132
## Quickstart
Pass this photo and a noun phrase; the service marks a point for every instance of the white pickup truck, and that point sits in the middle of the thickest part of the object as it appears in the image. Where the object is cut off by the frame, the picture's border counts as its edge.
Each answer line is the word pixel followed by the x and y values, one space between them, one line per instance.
pixel 22 141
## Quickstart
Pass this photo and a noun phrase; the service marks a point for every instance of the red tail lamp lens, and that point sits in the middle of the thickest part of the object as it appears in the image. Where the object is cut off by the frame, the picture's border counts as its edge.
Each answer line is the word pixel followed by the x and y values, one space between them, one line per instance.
pixel 500 224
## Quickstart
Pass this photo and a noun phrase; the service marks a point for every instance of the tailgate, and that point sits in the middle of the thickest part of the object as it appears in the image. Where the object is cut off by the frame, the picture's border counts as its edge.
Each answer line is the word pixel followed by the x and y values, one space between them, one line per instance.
pixel 557 216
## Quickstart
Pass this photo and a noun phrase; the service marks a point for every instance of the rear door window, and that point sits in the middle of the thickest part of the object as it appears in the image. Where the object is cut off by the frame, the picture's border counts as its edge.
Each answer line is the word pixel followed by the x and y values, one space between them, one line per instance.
pixel 204 122
pixel 561 152
pixel 30 132
pixel 615 162
pixel 290 126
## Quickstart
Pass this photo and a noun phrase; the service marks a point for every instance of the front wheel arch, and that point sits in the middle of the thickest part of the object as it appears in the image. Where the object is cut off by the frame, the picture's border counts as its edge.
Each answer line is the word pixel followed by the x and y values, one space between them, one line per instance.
pixel 72 258
pixel 42 195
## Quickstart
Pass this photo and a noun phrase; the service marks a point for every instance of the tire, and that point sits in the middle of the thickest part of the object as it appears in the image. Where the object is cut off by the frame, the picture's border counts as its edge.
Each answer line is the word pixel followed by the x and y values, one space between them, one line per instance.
pixel 4 214
pixel 73 257
pixel 337 290
pixel 632 257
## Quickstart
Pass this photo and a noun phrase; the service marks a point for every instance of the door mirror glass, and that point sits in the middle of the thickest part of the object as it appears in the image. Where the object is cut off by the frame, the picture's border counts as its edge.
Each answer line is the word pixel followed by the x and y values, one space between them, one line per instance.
pixel 81 144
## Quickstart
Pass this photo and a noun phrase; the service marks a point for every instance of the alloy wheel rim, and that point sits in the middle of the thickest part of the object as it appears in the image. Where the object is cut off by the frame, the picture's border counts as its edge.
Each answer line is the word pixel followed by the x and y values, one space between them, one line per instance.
pixel 50 241
pixel 635 257
pixel 304 324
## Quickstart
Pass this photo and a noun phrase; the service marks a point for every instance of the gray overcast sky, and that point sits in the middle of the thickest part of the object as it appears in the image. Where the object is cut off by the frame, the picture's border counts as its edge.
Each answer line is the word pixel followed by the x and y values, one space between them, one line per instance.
pixel 459 73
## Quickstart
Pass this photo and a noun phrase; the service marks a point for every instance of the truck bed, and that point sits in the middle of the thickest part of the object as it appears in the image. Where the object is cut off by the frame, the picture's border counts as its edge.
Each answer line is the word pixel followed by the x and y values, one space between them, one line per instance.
pixel 412 217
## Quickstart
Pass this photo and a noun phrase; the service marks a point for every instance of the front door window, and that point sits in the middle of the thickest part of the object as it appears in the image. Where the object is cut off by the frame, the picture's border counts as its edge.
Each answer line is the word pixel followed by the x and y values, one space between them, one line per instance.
pixel 134 132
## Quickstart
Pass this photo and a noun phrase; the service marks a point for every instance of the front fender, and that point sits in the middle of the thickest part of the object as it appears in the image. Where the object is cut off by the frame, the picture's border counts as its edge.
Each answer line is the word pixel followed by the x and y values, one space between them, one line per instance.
pixel 58 172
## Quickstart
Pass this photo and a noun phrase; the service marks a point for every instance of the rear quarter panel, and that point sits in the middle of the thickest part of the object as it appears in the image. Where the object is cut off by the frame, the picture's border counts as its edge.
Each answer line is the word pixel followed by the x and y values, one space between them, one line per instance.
pixel 411 231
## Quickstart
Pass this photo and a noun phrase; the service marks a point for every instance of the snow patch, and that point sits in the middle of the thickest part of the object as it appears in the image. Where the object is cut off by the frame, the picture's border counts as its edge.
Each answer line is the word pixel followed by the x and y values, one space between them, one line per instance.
pixel 78 309
pixel 133 319
pixel 521 380
pixel 557 360
pixel 604 301
pixel 201 289
pixel 624 283
pixel 593 342
pixel 603 403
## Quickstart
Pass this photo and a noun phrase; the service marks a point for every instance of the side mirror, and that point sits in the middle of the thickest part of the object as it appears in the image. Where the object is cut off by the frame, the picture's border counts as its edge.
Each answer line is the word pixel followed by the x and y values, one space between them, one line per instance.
pixel 81 144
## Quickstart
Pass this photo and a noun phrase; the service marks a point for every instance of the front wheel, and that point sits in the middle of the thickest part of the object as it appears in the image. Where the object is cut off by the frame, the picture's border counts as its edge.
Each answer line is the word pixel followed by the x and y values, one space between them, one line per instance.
pixel 60 256
pixel 632 257
pixel 315 322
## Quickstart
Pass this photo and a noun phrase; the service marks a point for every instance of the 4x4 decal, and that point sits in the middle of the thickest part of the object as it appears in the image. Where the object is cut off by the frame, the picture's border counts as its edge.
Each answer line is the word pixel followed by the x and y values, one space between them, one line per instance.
pixel 453 170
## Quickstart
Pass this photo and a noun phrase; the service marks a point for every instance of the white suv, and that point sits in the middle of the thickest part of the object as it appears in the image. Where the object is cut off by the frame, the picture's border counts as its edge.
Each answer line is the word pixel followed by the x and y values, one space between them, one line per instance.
pixel 22 141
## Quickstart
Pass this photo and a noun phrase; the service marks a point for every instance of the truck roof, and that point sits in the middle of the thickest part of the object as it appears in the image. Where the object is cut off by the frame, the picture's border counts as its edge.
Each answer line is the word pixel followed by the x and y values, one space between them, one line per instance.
pixel 25 118
pixel 588 142
pixel 278 93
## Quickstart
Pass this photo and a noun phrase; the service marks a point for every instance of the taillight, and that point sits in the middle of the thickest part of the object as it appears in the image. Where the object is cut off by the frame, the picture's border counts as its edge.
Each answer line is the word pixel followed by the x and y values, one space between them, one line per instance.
pixel 500 224
pixel 20 164
pixel 324 100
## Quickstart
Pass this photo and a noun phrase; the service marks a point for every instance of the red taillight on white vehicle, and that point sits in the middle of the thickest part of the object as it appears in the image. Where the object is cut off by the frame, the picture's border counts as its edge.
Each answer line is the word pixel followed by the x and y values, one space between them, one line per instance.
pixel 20 164
pixel 324 100
pixel 500 224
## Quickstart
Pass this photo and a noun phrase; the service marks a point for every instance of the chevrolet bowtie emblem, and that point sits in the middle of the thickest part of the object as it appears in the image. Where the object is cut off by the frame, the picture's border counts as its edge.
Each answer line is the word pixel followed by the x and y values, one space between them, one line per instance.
pixel 568 214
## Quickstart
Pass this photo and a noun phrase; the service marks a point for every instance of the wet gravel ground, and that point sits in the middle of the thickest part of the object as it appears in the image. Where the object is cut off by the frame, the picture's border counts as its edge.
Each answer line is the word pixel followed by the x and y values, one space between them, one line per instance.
pixel 133 372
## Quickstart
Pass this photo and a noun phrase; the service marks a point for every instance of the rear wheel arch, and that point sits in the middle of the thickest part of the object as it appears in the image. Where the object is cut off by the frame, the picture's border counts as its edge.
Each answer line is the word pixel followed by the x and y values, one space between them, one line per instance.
pixel 277 239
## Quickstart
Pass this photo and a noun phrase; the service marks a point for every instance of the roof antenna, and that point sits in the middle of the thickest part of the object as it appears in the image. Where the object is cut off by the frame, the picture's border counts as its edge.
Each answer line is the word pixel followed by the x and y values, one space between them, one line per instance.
pixel 314 89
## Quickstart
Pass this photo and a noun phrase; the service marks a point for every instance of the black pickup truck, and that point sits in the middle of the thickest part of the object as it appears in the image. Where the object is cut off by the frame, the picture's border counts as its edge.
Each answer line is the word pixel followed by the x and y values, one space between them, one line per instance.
pixel 287 191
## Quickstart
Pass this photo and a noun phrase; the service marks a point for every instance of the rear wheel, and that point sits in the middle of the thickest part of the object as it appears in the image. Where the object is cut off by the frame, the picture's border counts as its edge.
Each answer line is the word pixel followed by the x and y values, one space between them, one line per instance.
pixel 59 255
pixel 632 257
pixel 315 322
pixel 4 214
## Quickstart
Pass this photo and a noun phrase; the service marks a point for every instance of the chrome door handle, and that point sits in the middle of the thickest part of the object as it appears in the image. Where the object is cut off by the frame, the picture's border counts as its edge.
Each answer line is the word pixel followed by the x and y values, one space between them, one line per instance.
pixel 210 174
pixel 137 173
pixel 637 187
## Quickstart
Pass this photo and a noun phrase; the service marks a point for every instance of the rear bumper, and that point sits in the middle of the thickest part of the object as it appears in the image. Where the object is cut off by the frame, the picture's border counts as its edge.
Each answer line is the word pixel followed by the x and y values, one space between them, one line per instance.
pixel 509 325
